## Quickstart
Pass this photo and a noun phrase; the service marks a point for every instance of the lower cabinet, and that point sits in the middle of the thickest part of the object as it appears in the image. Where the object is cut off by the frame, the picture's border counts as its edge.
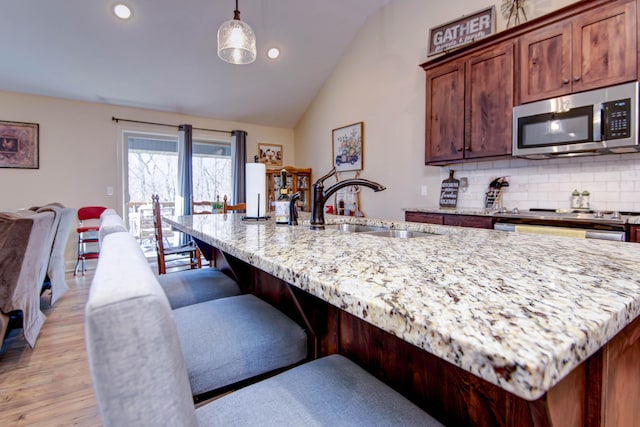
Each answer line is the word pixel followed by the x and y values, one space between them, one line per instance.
pixel 472 221
pixel 634 233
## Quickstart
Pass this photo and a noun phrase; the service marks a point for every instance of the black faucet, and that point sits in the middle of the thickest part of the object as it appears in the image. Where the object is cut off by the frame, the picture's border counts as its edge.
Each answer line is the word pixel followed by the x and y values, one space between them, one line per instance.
pixel 319 196
pixel 293 212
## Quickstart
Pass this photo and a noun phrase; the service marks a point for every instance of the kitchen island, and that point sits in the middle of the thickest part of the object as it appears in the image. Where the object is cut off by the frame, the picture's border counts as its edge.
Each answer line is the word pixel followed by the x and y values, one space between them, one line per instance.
pixel 502 328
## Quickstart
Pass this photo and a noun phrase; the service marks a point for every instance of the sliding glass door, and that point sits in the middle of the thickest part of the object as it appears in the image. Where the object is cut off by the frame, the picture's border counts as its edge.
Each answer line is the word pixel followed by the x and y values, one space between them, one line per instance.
pixel 151 167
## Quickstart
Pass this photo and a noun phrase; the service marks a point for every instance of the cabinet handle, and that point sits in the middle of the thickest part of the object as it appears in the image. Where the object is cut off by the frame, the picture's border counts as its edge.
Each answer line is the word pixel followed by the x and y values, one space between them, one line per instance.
pixel 576 78
pixel 467 148
pixel 459 149
pixel 565 81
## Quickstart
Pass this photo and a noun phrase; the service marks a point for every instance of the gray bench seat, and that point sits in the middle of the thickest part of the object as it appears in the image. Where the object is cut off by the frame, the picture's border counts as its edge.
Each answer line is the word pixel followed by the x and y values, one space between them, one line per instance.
pixel 331 391
pixel 189 287
pixel 137 362
pixel 182 287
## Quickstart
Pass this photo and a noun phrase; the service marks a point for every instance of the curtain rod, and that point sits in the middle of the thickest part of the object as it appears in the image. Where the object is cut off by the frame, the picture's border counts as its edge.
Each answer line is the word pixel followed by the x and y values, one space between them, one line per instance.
pixel 115 119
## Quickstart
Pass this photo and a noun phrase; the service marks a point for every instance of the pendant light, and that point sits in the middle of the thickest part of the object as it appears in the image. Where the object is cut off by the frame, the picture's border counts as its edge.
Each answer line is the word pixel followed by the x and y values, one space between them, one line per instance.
pixel 236 41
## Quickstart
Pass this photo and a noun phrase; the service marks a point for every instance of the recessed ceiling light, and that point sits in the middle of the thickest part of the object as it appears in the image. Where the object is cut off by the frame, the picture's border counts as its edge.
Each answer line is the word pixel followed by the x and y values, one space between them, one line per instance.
pixel 273 53
pixel 122 11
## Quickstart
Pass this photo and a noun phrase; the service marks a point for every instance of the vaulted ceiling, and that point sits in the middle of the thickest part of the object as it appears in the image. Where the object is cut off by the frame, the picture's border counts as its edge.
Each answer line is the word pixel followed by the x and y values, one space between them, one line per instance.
pixel 164 57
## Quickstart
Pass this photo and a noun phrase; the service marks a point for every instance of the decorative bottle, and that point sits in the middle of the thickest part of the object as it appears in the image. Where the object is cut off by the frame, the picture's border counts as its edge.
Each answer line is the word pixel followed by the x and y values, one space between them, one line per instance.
pixel 282 204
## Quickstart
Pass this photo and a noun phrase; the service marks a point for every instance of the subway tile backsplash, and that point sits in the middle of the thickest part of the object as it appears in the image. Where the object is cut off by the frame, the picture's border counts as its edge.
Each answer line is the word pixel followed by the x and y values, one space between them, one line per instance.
pixel 612 180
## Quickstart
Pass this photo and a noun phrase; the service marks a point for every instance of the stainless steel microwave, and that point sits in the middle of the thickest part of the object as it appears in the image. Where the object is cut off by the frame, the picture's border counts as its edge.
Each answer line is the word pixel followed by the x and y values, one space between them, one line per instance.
pixel 601 121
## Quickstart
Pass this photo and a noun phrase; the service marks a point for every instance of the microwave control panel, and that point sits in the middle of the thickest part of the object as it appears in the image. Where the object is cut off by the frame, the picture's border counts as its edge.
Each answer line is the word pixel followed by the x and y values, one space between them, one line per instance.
pixel 616 119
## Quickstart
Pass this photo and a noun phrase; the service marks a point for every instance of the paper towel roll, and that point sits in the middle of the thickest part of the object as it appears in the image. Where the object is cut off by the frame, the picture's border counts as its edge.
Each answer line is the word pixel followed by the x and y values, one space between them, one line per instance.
pixel 256 189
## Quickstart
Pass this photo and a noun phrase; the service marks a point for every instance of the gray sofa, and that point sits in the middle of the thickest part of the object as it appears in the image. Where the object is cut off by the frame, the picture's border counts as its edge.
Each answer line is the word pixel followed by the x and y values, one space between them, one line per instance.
pixel 137 361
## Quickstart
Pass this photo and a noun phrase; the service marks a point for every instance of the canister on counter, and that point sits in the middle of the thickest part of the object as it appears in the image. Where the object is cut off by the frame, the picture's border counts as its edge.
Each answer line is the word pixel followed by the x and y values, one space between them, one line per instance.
pixel 584 200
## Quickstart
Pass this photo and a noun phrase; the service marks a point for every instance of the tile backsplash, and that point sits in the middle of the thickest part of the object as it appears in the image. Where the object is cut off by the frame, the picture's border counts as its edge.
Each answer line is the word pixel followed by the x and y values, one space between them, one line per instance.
pixel 612 180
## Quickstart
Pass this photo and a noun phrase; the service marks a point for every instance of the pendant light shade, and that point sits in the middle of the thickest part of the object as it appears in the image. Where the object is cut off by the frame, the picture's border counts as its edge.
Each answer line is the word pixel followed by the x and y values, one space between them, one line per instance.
pixel 236 41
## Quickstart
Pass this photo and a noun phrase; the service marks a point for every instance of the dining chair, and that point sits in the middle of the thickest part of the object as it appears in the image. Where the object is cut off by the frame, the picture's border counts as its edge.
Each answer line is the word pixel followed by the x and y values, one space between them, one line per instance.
pixel 181 255
pixel 237 207
pixel 89 223
pixel 201 208
pixel 25 246
pixel 63 223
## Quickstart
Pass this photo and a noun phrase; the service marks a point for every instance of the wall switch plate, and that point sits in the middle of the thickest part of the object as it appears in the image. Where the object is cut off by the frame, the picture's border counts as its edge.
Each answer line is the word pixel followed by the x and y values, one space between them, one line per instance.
pixel 423 190
pixel 109 191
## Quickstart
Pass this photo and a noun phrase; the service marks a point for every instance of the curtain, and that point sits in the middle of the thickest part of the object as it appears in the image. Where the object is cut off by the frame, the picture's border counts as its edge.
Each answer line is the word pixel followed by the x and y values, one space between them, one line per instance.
pixel 185 177
pixel 239 148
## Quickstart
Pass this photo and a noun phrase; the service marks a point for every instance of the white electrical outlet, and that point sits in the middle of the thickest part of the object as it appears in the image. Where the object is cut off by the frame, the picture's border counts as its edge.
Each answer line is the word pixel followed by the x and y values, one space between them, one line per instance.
pixel 109 191
pixel 423 190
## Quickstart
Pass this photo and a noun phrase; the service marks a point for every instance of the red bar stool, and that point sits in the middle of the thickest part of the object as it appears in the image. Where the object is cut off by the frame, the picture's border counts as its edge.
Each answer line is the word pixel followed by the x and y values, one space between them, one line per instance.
pixel 88 235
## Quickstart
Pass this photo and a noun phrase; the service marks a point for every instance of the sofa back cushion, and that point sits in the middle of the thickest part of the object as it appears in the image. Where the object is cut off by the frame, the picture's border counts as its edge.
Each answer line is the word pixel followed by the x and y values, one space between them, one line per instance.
pixel 112 223
pixel 136 364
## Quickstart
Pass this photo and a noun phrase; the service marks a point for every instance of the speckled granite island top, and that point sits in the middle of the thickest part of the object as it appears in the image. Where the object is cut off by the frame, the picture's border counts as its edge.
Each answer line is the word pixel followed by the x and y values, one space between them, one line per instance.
pixel 520 311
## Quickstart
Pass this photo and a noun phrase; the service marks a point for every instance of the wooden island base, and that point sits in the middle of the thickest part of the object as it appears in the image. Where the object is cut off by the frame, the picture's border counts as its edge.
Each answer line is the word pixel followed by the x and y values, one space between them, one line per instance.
pixel 602 391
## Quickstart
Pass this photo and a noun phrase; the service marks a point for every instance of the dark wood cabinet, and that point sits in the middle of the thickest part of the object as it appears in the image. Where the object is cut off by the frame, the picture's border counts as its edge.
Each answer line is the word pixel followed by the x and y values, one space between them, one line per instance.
pixel 456 220
pixel 470 92
pixel 445 113
pixel 469 221
pixel 634 233
pixel 488 110
pixel 469 104
pixel 423 217
pixel 593 49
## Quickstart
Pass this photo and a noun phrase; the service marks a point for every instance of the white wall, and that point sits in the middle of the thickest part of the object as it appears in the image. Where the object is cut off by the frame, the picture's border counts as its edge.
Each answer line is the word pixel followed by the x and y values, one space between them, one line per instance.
pixel 79 150
pixel 379 82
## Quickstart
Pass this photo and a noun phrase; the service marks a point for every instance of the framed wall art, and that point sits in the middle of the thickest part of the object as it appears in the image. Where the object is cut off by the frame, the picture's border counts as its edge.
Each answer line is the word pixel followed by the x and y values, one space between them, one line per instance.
pixel 347 147
pixel 19 145
pixel 270 154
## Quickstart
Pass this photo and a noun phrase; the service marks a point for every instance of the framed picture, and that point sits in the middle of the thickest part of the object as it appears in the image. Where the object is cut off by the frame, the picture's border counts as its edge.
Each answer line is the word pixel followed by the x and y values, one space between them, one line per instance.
pixel 19 145
pixel 347 147
pixel 270 154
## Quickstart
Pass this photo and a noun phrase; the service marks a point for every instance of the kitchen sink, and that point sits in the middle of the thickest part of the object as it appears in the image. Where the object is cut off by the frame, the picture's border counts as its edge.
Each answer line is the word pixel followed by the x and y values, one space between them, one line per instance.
pixel 400 234
pixel 355 228
pixel 375 230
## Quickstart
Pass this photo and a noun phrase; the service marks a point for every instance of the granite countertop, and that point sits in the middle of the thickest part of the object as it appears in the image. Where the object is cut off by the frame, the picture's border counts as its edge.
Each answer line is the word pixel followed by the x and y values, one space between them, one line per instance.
pixel 520 311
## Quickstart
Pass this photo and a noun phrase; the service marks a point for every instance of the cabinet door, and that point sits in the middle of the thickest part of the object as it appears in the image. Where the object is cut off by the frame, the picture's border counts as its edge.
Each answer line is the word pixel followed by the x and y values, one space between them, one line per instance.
pixel 445 113
pixel 634 233
pixel 545 63
pixel 489 106
pixel 604 47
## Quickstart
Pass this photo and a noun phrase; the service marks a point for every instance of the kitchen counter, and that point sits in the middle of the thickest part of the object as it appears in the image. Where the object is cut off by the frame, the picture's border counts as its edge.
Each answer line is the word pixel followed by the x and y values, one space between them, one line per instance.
pixel 633 220
pixel 519 311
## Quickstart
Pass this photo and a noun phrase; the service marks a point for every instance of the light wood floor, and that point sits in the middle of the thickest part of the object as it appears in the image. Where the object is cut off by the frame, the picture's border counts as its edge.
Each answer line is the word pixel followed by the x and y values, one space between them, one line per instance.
pixel 50 384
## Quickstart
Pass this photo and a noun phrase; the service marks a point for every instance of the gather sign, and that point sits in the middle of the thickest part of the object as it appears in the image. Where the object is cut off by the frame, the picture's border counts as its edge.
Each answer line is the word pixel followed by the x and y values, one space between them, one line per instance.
pixel 462 31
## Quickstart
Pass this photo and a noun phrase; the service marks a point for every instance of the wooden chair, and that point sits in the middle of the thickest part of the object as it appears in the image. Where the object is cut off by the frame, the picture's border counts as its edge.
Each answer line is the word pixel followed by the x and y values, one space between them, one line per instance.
pixel 226 207
pixel 203 211
pixel 188 254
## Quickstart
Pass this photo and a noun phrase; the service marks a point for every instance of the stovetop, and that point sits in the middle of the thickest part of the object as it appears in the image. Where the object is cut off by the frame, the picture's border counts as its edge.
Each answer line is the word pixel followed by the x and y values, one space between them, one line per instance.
pixel 568 215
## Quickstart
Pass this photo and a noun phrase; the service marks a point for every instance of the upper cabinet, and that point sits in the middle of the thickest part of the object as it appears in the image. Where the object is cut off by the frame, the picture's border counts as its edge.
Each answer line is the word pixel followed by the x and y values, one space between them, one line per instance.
pixel 445 113
pixel 470 92
pixel 469 104
pixel 593 49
